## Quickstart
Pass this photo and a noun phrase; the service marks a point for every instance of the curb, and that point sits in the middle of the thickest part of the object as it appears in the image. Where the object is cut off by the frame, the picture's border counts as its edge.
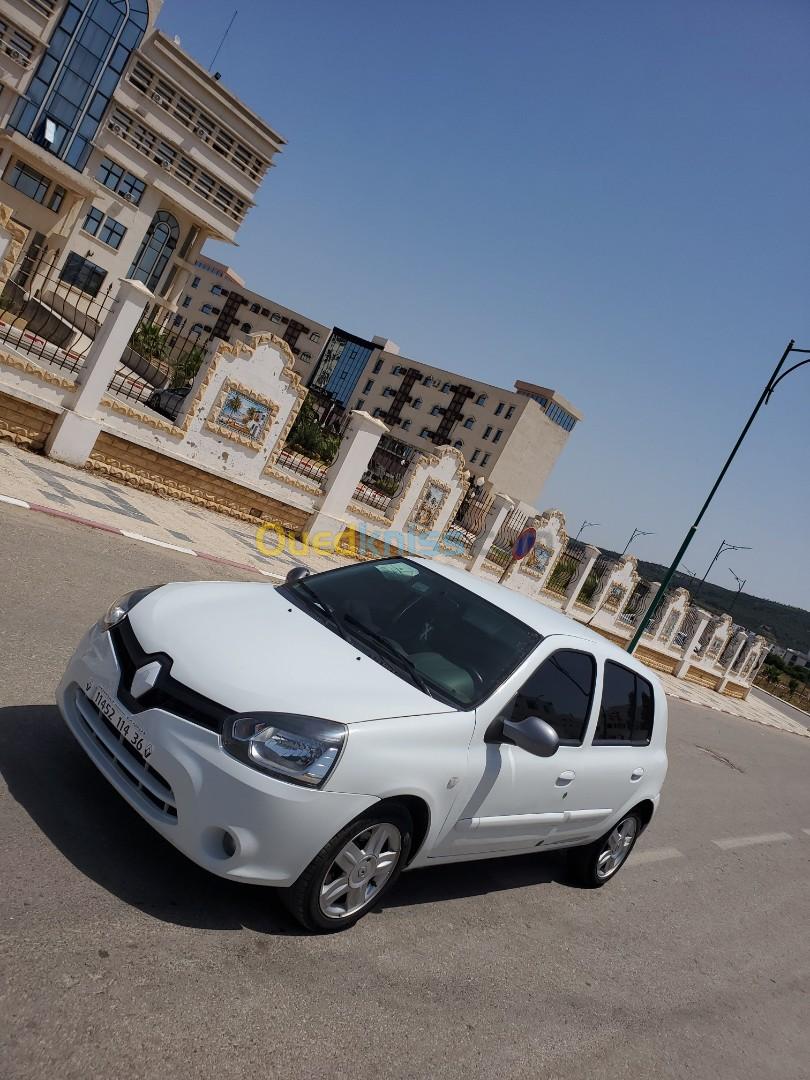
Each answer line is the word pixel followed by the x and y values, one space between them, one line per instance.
pixel 52 512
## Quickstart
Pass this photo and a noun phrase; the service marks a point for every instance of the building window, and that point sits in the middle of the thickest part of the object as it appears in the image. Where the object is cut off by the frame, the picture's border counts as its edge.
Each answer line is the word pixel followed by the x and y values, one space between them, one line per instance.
pixel 93 221
pixel 510 412
pixel 468 423
pixel 197 328
pixel 416 403
pixel 306 357
pixel 195 284
pixel 488 432
pixel 246 328
pixel 496 437
pixel 117 179
pixel 155 250
pixel 389 391
pixel 475 455
pixel 83 274
pixel 427 380
pixel 265 313
pixel 28 181
pixel 377 412
pixel 106 229
pixel 437 410
pixel 458 444
pixel 215 311
pixel 481 399
pixel 446 388
pixel 186 301
pixel 315 337
pixel 178 319
pixel 377 367
pixel 425 433
pixel 499 408
pixel 368 386
pixel 484 460
pixel 206 309
pixel 255 308
pixel 360 403
pixel 275 317
pixel 76 77
pixel 405 424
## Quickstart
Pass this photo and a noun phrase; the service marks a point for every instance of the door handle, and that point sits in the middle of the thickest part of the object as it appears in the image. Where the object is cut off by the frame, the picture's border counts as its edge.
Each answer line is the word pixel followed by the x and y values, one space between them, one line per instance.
pixel 566 777
pixel 636 774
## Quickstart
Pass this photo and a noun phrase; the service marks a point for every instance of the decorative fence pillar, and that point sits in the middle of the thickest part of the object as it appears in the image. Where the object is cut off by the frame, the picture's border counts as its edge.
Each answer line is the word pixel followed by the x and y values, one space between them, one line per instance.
pixel 701 619
pixel 501 506
pixel 737 645
pixel 589 556
pixel 74 433
pixel 344 474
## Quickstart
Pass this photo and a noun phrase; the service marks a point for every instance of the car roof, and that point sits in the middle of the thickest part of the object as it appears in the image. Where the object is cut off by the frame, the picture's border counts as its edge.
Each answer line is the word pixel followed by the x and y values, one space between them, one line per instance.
pixel 543 619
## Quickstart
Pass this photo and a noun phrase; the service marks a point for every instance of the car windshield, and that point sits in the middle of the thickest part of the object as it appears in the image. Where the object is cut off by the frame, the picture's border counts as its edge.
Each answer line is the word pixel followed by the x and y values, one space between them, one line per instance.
pixel 444 638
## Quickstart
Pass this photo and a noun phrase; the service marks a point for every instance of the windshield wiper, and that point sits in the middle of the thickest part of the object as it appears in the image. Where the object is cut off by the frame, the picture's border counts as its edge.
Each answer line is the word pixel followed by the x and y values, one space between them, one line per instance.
pixel 322 606
pixel 391 650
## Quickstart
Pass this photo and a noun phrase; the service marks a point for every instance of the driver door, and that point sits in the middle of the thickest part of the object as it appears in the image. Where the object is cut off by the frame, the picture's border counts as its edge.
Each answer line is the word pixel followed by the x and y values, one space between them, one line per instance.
pixel 515 801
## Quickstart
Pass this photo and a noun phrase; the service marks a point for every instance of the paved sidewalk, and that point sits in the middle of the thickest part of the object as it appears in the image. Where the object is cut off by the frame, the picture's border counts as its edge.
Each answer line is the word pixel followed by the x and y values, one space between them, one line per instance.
pixel 55 488
pixel 49 485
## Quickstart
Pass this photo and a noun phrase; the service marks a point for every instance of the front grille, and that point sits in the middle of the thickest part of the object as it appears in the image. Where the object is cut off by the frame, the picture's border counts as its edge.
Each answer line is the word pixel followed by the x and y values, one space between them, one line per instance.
pixel 138 774
pixel 167 693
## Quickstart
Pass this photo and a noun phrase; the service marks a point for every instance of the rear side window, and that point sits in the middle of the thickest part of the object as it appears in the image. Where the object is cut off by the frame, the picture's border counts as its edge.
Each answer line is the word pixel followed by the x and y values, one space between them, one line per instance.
pixel 560 692
pixel 627 708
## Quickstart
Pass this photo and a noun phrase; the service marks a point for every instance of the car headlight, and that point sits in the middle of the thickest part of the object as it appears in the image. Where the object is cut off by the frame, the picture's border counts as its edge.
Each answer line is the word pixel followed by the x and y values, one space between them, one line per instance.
pixel 302 749
pixel 121 608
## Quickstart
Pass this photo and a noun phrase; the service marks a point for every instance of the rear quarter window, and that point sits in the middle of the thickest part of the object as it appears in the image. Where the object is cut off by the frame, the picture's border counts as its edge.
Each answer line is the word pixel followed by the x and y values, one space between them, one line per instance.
pixel 627 708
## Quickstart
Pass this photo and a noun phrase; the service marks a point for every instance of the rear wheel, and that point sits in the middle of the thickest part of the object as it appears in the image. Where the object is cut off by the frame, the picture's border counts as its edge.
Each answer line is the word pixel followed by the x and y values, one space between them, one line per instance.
pixel 353 871
pixel 597 863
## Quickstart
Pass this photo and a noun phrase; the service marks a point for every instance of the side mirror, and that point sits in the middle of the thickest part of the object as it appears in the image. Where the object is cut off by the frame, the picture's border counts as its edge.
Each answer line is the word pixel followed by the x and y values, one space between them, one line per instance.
pixel 298 573
pixel 533 735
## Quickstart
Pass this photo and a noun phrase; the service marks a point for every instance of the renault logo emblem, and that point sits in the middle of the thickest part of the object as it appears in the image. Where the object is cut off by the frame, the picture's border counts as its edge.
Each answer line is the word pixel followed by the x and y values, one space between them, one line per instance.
pixel 145 678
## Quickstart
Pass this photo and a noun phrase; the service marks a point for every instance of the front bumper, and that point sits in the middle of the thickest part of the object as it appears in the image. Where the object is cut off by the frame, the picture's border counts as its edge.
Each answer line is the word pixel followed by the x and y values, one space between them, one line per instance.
pixel 194 794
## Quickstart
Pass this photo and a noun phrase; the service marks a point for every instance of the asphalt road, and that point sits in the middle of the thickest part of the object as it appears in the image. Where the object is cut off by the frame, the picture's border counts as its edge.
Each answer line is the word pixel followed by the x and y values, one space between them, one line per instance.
pixel 783 706
pixel 122 959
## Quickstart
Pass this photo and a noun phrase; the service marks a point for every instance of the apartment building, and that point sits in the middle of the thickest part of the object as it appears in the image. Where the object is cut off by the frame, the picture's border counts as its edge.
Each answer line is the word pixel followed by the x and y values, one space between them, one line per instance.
pixel 217 302
pixel 120 155
pixel 511 438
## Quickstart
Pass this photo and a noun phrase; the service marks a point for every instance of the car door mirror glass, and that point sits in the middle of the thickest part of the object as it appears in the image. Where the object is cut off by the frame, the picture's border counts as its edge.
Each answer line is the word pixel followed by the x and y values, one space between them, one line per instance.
pixel 533 735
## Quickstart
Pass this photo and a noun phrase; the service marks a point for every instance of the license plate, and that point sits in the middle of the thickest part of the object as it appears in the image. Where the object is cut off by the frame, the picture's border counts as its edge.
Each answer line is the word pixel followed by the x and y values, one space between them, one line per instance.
pixel 128 731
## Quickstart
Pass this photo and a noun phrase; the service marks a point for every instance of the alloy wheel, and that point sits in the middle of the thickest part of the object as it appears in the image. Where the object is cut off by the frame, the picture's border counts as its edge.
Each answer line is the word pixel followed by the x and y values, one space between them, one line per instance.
pixel 617 848
pixel 359 870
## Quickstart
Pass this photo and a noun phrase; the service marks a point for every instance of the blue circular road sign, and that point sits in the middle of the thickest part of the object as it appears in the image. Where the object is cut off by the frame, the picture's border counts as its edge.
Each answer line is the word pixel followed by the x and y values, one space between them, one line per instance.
pixel 524 543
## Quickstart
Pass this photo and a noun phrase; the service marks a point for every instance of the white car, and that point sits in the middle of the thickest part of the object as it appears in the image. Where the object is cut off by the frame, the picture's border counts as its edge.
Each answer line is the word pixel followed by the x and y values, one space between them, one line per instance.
pixel 322 735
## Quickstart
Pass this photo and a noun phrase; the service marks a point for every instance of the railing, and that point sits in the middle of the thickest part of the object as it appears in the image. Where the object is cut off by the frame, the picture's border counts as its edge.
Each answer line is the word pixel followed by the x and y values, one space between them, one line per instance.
pixel 687 628
pixel 654 624
pixel 52 313
pixel 470 521
pixel 603 566
pixel 159 364
pixel 730 646
pixel 513 524
pixel 378 490
pixel 298 464
pixel 566 567
pixel 635 605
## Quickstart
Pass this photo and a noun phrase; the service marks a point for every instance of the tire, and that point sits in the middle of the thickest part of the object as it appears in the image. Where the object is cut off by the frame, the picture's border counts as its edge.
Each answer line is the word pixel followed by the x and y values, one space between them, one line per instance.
pixel 589 863
pixel 356 888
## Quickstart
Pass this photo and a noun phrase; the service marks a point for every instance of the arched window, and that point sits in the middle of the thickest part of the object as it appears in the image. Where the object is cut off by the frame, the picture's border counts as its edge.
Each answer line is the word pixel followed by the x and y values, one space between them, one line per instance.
pixel 155 250
pixel 76 77
pixel 459 443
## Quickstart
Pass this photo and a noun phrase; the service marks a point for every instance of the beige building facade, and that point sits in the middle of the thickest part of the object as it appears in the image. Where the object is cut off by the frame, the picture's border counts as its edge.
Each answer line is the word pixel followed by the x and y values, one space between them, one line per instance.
pixel 511 438
pixel 120 155
pixel 218 303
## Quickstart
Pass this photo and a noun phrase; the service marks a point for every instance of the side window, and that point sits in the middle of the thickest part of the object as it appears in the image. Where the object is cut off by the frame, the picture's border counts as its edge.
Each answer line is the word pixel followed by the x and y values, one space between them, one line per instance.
pixel 560 691
pixel 626 711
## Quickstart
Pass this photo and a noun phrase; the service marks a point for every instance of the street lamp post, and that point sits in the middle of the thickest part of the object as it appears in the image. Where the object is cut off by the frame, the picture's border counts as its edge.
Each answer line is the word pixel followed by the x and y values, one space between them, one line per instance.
pixel 764 397
pixel 724 547
pixel 586 525
pixel 741 583
pixel 636 532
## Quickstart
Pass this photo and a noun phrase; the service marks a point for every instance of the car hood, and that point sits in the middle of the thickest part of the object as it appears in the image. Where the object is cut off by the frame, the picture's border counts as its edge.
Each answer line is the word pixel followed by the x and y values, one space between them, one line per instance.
pixel 243 645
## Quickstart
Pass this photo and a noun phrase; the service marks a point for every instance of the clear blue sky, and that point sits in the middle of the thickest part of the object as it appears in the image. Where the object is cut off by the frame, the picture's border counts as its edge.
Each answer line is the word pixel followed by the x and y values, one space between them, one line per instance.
pixel 606 198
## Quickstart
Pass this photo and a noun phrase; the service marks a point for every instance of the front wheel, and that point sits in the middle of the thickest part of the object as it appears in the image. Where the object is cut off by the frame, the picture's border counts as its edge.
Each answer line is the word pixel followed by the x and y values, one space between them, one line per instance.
pixel 353 871
pixel 597 863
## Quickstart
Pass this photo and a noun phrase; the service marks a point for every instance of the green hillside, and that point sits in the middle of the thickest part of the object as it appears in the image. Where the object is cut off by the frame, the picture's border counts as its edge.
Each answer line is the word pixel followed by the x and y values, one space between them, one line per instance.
pixel 787 626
